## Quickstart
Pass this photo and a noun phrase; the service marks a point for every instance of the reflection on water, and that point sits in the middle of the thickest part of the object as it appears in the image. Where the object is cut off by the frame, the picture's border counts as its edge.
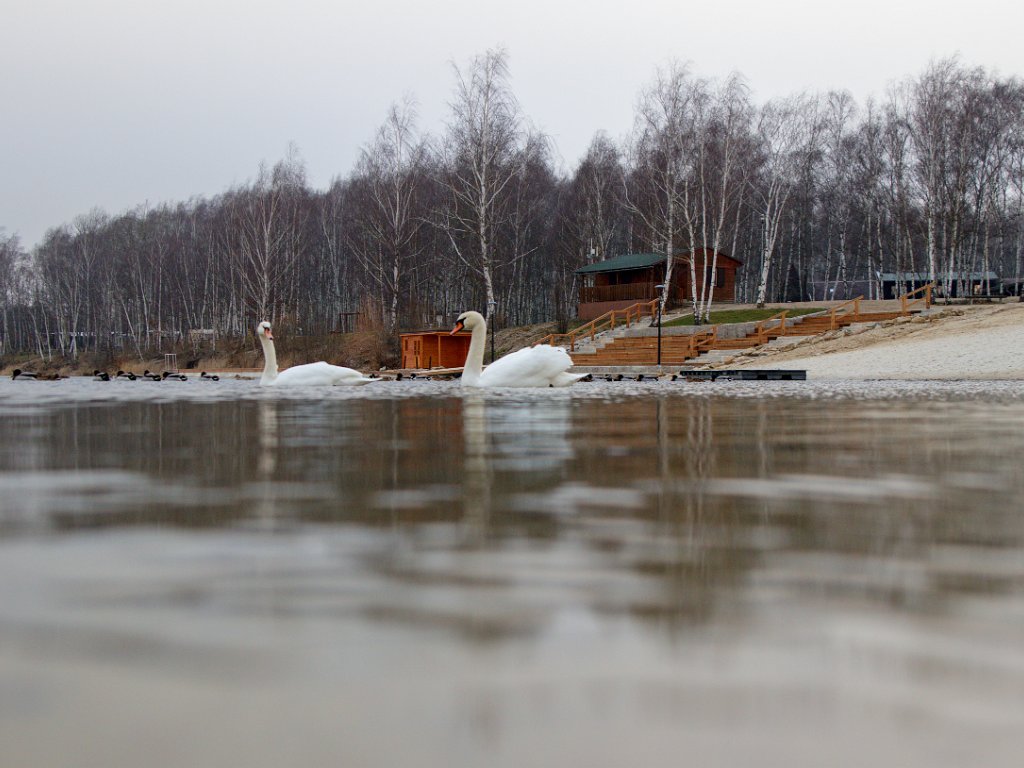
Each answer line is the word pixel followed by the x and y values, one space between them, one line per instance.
pixel 771 574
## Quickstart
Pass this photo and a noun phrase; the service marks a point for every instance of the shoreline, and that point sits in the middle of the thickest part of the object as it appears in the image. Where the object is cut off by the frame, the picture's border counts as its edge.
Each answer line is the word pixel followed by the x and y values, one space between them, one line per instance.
pixel 948 344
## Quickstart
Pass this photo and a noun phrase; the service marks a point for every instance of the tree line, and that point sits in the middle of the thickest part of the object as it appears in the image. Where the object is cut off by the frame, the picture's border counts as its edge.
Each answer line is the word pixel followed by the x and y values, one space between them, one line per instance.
pixel 811 192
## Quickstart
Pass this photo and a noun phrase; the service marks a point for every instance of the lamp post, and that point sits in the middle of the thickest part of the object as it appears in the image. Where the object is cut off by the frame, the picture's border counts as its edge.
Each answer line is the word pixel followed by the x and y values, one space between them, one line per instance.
pixel 661 300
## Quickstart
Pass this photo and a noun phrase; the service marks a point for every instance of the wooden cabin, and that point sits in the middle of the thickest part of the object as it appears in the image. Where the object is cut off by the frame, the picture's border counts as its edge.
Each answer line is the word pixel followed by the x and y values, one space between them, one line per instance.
pixel 624 280
pixel 434 349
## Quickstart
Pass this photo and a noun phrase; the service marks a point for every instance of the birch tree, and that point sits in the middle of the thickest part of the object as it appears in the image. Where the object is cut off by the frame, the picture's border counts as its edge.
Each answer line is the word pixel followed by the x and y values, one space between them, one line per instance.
pixel 786 131
pixel 723 158
pixel 657 189
pixel 264 240
pixel 482 142
pixel 390 176
pixel 596 201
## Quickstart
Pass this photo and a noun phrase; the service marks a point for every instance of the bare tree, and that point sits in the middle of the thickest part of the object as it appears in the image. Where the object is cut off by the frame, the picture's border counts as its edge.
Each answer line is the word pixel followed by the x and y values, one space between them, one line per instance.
pixel 787 130
pixel 481 148
pixel 596 200
pixel 659 183
pixel 265 236
pixel 390 176
pixel 723 157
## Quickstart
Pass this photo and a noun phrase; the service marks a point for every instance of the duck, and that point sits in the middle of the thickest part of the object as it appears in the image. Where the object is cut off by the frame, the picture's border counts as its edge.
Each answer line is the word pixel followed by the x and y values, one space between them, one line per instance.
pixel 19 375
pixel 126 375
pixel 209 376
pixel 310 374
pixel 152 376
pixel 541 366
pixel 174 376
pixel 100 376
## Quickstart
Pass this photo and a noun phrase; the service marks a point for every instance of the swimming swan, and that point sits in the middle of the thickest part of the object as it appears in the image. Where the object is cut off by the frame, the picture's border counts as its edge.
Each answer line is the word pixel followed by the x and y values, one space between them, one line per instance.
pixel 300 375
pixel 529 367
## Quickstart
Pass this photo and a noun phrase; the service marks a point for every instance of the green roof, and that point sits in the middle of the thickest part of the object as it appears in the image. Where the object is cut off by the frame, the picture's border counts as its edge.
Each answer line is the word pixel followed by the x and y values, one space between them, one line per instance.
pixel 623 262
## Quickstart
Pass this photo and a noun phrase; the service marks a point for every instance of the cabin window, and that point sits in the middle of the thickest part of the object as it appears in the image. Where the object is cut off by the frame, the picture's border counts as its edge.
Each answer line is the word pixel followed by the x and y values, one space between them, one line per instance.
pixel 719 275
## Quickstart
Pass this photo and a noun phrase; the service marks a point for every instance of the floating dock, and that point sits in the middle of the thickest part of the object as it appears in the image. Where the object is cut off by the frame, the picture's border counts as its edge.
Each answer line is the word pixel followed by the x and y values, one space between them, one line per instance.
pixel 745 374
pixel 626 373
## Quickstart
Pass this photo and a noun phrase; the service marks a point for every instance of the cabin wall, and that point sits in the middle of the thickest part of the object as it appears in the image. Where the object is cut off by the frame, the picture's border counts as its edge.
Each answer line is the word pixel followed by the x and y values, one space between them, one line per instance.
pixel 624 288
pixel 434 349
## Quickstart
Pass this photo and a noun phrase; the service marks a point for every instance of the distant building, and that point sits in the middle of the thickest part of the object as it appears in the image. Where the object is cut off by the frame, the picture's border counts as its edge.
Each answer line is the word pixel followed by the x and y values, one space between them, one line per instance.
pixel 841 290
pixel 624 280
pixel 895 284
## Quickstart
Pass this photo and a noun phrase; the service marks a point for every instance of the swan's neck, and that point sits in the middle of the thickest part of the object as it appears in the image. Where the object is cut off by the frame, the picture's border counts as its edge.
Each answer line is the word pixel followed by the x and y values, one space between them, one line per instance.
pixel 475 359
pixel 269 361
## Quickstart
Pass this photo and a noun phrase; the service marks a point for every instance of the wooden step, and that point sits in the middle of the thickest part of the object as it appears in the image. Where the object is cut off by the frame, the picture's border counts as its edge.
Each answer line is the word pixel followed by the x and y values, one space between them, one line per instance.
pixel 677 350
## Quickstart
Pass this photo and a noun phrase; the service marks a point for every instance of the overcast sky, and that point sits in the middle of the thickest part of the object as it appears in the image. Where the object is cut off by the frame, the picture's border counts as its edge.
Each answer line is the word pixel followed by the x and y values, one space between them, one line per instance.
pixel 119 103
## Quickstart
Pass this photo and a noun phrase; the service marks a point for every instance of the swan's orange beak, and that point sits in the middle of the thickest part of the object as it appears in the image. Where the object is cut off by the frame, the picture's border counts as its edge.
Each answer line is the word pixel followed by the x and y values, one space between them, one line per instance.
pixel 268 334
pixel 458 327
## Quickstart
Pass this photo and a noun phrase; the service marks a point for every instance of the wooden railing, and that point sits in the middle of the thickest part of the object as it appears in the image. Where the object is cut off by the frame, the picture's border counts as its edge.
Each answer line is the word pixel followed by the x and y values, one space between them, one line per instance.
pixel 906 302
pixel 608 320
pixel 702 341
pixel 851 307
pixel 761 329
pixel 625 292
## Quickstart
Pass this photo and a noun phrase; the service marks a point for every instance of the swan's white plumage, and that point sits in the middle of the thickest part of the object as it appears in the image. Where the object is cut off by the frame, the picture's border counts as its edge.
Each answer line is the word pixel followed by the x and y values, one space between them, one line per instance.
pixel 530 367
pixel 319 374
pixel 310 374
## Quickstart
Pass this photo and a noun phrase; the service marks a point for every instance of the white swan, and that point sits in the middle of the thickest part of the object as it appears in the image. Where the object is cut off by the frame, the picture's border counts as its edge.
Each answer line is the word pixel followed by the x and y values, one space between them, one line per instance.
pixel 301 375
pixel 529 367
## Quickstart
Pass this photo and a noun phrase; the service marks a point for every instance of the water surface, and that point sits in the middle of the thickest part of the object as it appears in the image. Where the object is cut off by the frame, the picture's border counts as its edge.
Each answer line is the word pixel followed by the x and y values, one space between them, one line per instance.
pixel 790 573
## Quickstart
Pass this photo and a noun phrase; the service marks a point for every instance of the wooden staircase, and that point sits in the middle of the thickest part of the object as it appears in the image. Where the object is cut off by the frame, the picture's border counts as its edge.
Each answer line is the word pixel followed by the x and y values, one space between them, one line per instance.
pixel 677 350
pixel 643 350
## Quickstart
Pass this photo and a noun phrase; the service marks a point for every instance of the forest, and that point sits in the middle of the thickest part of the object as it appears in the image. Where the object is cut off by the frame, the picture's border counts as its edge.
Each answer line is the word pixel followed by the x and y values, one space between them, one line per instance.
pixel 816 194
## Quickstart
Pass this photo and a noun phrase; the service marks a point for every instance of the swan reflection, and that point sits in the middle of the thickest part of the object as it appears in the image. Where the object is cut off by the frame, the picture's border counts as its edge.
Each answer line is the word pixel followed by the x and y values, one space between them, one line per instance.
pixel 267 440
pixel 510 442
pixel 530 436
pixel 477 469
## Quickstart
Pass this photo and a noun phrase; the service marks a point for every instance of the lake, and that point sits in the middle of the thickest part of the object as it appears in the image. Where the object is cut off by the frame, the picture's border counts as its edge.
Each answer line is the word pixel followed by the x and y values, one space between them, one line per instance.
pixel 726 574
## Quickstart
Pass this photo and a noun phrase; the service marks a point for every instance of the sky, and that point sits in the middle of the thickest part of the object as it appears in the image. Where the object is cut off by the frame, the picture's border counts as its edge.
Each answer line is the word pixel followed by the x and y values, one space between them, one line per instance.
pixel 116 104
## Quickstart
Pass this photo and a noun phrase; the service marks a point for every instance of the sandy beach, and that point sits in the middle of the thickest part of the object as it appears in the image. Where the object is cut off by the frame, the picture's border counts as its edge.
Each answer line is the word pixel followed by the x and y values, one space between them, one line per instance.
pixel 949 344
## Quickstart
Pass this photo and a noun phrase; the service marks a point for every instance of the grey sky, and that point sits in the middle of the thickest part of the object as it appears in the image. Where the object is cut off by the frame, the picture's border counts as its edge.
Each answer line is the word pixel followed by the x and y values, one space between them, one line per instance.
pixel 116 103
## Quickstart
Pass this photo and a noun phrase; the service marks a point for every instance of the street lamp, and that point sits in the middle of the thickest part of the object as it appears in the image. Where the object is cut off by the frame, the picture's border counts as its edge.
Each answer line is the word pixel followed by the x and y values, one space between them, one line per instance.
pixel 661 300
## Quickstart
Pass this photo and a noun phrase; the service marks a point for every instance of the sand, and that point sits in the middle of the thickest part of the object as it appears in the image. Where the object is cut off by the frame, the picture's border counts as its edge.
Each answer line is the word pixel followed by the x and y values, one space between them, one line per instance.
pixel 949 344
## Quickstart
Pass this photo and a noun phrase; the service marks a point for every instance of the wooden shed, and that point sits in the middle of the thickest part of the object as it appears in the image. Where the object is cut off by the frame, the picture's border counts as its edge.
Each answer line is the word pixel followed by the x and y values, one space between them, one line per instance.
pixel 434 349
pixel 625 280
